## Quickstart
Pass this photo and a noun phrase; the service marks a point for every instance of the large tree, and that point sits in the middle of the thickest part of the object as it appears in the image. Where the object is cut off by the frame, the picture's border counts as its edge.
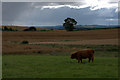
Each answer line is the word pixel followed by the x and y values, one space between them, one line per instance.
pixel 31 29
pixel 69 24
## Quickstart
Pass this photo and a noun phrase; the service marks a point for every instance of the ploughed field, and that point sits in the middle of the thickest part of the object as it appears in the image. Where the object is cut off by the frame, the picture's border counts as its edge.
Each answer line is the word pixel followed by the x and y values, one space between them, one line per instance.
pixel 39 41
pixel 47 54
pixel 60 35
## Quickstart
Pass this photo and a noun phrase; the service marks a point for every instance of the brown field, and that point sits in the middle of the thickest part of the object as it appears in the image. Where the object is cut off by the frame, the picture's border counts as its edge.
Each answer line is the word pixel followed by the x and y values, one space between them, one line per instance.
pixel 12 40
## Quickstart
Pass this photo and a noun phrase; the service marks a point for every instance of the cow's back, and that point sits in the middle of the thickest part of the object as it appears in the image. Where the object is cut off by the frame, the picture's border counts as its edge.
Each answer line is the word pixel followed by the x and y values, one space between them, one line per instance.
pixel 85 53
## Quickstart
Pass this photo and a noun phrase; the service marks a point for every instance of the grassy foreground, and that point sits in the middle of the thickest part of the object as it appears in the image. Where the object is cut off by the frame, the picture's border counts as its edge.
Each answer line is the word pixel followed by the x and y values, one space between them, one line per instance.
pixel 46 66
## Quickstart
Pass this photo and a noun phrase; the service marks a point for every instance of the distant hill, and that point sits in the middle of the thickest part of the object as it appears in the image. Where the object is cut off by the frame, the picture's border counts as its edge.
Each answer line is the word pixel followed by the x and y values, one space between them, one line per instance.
pixel 97 26
pixel 60 27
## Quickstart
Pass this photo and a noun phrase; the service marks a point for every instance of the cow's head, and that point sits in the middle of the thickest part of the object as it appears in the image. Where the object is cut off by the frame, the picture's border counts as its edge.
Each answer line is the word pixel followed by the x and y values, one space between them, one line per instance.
pixel 73 56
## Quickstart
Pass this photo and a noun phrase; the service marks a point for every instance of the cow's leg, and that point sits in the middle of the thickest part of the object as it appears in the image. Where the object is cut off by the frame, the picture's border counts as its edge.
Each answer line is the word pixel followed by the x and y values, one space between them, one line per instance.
pixel 92 58
pixel 81 60
pixel 78 60
pixel 89 59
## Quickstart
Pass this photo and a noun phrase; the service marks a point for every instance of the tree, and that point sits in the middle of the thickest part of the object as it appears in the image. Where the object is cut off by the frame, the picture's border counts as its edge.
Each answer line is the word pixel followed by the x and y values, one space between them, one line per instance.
pixel 26 30
pixel 6 28
pixel 32 29
pixel 10 29
pixel 69 24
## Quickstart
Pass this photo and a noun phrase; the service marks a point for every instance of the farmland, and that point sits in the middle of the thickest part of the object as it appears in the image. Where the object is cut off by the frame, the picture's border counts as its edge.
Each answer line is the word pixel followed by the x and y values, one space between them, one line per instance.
pixel 47 54
pixel 39 41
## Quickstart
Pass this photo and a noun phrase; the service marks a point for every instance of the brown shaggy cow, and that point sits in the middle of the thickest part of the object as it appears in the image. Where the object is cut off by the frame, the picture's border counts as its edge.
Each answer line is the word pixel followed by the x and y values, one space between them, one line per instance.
pixel 83 54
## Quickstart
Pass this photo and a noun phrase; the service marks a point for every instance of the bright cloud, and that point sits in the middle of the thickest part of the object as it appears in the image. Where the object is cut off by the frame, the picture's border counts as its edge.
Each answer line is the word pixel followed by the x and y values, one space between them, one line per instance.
pixel 59 6
pixel 112 19
pixel 93 4
pixel 98 4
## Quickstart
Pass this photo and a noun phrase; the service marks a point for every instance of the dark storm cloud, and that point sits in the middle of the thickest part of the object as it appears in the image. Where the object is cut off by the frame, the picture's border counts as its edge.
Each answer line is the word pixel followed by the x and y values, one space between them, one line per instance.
pixel 12 10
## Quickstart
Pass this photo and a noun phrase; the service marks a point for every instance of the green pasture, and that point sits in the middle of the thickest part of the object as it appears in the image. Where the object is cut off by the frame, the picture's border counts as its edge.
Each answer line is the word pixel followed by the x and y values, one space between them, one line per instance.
pixel 51 66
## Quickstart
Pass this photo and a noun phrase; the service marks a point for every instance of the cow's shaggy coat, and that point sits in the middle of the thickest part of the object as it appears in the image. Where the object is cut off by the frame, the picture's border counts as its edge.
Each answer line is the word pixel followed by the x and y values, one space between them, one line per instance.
pixel 83 54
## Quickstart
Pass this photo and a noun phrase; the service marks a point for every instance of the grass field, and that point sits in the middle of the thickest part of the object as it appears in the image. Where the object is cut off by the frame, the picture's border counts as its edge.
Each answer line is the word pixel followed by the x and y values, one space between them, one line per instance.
pixel 45 66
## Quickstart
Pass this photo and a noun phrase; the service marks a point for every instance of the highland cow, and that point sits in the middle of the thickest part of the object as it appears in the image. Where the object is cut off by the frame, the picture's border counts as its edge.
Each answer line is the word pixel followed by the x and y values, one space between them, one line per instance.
pixel 83 54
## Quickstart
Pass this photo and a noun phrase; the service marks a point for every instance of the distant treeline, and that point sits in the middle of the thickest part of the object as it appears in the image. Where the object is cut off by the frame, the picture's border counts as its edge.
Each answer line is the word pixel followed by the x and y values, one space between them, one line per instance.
pixel 7 28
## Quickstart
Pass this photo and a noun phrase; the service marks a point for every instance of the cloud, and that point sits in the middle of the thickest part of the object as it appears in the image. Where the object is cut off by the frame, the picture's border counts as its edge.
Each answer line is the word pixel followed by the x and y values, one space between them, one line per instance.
pixel 28 13
pixel 112 19
pixel 92 4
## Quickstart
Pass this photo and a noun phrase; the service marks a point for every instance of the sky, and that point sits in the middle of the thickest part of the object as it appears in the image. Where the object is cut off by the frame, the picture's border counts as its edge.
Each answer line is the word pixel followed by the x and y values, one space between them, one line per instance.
pixel 85 12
